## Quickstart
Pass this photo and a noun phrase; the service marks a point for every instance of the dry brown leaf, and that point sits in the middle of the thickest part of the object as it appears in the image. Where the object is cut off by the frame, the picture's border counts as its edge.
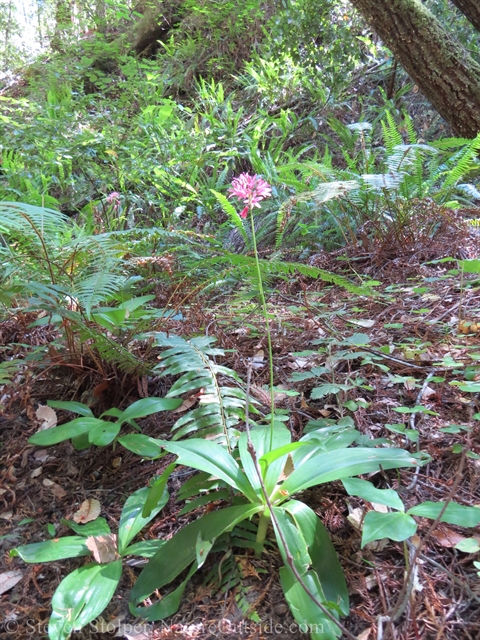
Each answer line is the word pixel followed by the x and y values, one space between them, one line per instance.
pixel 299 363
pixel 258 358
pixel 104 548
pixel 9 579
pixel 356 517
pixel 303 403
pixel 41 455
pixel 447 537
pixel 288 469
pixel 36 472
pixel 108 626
pixel 58 491
pixel 381 508
pixel 377 545
pixel 186 404
pixel 207 398
pixel 428 391
pixel 89 510
pixel 260 394
pixel 6 515
pixel 138 632
pixel 370 581
pixel 46 416
pixel 117 462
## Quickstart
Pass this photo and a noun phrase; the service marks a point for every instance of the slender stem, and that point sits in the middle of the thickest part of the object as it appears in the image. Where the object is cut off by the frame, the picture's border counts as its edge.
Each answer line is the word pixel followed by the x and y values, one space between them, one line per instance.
pixel 267 326
pixel 460 310
pixel 262 532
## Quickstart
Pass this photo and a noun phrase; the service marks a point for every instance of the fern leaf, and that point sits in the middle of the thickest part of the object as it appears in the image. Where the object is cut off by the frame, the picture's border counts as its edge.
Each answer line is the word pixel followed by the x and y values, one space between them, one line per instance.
pixel 220 407
pixel 232 213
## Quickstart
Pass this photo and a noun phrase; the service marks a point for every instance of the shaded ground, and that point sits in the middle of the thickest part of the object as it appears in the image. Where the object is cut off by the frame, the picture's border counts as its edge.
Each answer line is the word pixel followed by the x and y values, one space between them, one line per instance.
pixel 412 325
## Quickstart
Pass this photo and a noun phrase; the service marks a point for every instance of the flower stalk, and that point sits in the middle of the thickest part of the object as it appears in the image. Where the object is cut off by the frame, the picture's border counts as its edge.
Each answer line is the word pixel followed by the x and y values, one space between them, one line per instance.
pixel 252 190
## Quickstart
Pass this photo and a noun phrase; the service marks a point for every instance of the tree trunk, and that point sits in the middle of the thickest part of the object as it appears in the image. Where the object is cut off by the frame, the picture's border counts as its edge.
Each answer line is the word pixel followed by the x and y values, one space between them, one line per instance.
pixel 441 68
pixel 470 9
pixel 63 22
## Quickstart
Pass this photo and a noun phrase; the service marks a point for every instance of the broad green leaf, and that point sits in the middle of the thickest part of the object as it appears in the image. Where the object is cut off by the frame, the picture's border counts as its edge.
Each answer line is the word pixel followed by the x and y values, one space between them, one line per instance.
pixel 202 549
pixel 199 481
pixel 468 545
pixel 471 387
pixel 417 409
pixel 212 458
pixel 366 490
pixel 51 550
pixel 357 339
pixel 71 429
pixel 395 526
pixel 81 442
pixel 147 406
pixel 180 551
pixel 454 513
pixel 75 407
pixel 304 610
pixel 279 452
pixel 222 494
pixel 344 463
pixel 156 491
pixel 470 266
pixel 265 443
pixel 325 390
pixel 81 597
pixel 295 542
pixel 132 520
pixel 144 548
pixel 167 606
pixel 140 444
pixel 103 434
pixel 135 303
pixel 97 527
pixel 109 318
pixel 322 553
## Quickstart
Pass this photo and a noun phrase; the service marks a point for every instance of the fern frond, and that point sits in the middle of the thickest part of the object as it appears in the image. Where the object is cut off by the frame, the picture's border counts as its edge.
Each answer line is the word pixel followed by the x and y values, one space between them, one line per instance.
pixel 232 213
pixel 410 128
pixel 220 407
pixel 8 369
pixel 228 574
pixel 463 162
pixel 244 267
pixel 391 135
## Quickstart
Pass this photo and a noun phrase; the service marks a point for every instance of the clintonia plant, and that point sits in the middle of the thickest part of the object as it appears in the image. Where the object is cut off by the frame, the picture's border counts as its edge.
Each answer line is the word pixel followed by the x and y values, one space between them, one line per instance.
pixel 260 477
pixel 263 475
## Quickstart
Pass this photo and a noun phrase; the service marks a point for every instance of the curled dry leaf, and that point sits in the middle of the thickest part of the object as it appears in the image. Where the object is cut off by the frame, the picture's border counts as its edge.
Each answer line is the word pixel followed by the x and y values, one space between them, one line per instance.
pixel 117 462
pixel 46 416
pixel 89 510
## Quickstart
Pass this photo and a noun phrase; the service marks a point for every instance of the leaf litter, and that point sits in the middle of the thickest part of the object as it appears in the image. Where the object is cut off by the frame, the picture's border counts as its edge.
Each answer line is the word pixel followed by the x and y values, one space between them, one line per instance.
pixel 402 336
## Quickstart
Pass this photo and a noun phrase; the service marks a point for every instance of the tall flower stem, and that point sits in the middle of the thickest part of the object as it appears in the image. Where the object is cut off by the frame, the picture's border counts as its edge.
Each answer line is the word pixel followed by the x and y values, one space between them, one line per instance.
pixel 267 325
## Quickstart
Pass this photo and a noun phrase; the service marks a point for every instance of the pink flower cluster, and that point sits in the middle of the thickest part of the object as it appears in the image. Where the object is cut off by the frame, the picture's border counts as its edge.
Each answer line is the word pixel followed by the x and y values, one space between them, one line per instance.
pixel 251 190
pixel 114 199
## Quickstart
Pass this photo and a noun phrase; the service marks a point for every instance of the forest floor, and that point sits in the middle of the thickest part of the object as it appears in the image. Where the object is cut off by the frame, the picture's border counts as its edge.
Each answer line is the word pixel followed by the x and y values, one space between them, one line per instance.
pixel 412 324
